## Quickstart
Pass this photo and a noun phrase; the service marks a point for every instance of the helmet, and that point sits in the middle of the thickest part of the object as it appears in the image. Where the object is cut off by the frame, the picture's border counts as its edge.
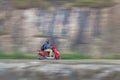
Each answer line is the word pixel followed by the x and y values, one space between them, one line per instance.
pixel 47 41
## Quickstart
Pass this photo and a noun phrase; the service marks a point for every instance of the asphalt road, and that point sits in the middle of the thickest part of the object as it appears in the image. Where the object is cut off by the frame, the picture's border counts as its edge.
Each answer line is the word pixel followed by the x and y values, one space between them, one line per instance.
pixel 85 61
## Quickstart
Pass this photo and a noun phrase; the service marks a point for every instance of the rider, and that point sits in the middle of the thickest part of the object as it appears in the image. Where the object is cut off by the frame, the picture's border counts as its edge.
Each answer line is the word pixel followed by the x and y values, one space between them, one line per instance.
pixel 47 48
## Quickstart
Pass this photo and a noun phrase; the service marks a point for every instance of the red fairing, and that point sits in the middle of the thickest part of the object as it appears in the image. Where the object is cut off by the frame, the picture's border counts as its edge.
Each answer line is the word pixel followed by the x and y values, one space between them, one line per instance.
pixel 42 53
pixel 55 52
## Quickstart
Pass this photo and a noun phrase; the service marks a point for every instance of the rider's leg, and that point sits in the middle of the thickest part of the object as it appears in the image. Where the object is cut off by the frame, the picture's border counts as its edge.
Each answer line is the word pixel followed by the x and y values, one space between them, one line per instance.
pixel 49 50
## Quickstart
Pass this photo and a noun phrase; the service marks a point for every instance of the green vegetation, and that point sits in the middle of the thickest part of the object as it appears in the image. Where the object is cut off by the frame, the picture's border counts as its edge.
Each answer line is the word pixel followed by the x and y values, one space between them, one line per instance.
pixel 16 55
pixel 111 56
pixel 3 32
pixel 95 3
pixel 74 55
pixel 64 55
pixel 19 55
pixel 22 4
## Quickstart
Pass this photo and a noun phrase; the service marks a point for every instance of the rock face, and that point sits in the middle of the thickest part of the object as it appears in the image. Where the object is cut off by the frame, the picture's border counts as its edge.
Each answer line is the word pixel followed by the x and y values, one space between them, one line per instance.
pixel 91 30
pixel 76 25
pixel 55 71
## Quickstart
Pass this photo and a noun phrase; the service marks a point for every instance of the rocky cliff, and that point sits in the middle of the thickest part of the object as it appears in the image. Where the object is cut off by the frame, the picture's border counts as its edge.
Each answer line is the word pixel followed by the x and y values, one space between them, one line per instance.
pixel 91 30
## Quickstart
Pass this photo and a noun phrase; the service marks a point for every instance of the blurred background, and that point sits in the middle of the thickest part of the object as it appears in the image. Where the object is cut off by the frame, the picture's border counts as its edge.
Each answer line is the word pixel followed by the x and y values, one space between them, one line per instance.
pixel 88 26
